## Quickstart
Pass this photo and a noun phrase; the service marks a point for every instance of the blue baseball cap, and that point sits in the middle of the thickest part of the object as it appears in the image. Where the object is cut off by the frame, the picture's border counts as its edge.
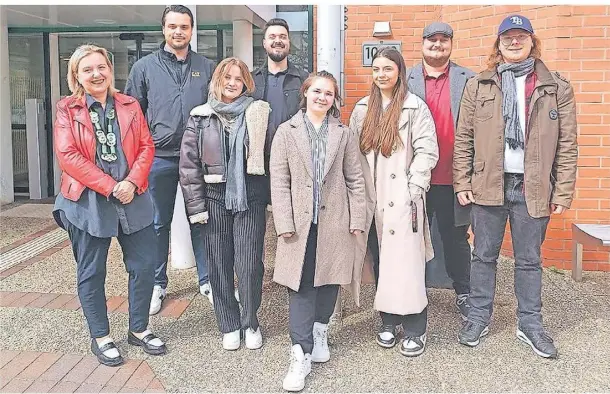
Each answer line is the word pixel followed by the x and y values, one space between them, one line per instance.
pixel 515 22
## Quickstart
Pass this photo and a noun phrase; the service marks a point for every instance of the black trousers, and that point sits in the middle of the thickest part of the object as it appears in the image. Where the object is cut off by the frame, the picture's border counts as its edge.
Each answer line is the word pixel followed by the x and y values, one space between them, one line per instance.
pixel 91 254
pixel 310 304
pixel 234 245
pixel 440 200
pixel 413 325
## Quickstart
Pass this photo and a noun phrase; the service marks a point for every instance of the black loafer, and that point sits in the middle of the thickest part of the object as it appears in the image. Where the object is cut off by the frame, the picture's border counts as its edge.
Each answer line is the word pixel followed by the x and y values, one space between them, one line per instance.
pixel 99 353
pixel 146 345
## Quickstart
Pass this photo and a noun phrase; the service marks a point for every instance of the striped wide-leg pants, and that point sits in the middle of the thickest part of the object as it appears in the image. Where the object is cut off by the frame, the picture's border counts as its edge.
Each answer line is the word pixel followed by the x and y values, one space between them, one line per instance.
pixel 234 245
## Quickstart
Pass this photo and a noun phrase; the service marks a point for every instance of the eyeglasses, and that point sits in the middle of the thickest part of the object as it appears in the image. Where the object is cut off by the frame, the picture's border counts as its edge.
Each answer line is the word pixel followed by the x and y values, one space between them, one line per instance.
pixel 508 40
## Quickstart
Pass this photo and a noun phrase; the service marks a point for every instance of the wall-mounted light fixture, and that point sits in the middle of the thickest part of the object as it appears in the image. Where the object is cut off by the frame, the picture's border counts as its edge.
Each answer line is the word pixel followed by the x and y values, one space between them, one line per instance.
pixel 382 29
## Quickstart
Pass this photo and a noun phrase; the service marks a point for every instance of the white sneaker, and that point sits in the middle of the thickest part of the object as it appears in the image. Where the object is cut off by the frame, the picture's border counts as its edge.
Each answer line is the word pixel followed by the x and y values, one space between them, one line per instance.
pixel 320 352
pixel 158 296
pixel 237 294
pixel 300 367
pixel 254 339
pixel 206 291
pixel 231 340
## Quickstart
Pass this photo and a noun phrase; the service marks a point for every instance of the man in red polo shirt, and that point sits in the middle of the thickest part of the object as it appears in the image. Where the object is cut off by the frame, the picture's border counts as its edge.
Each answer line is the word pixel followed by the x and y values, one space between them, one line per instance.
pixel 440 83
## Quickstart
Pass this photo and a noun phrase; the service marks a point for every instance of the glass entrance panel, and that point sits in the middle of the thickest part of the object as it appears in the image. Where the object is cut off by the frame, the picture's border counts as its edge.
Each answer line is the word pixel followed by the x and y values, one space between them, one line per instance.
pixel 26 70
pixel 123 50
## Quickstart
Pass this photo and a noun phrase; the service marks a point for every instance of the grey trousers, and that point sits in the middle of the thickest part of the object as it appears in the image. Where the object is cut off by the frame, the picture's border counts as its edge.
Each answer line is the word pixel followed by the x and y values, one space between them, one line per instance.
pixel 488 224
pixel 234 245
pixel 310 304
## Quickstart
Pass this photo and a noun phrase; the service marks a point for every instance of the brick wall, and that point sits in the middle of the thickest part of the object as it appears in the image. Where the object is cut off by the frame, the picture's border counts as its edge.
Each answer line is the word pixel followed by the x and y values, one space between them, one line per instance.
pixel 575 42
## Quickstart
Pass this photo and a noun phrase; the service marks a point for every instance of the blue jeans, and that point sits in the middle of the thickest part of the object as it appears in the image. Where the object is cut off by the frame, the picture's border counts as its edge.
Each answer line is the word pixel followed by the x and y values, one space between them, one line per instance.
pixel 163 183
pixel 488 224
pixel 91 254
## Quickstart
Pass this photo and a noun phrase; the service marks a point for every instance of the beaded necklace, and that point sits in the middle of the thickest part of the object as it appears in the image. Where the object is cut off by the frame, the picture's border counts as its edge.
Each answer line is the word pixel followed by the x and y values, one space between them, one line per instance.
pixel 107 140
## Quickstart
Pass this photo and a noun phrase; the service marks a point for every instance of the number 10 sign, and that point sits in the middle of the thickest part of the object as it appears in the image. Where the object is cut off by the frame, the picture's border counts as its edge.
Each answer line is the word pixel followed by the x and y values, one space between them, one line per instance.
pixel 370 48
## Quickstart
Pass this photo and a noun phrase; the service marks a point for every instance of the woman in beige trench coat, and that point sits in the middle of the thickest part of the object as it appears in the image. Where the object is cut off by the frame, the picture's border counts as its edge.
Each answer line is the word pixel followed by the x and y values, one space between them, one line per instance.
pixel 317 192
pixel 399 150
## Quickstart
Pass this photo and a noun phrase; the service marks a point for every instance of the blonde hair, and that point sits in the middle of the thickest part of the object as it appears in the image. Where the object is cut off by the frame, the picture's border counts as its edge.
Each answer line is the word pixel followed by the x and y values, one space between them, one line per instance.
pixel 495 57
pixel 216 84
pixel 79 54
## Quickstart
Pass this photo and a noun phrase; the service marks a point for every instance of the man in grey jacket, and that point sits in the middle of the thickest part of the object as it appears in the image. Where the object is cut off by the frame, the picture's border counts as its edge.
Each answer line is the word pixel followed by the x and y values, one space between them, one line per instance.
pixel 440 83
pixel 168 84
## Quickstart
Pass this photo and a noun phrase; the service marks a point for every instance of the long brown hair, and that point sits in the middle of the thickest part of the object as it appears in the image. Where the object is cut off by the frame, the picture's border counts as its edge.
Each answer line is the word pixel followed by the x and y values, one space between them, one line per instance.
pixel 334 109
pixel 380 129
pixel 216 84
pixel 495 57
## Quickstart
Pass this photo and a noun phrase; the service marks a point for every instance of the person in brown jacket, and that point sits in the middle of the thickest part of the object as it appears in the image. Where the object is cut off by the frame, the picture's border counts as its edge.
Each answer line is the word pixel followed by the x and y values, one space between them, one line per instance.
pixel 319 208
pixel 223 190
pixel 514 159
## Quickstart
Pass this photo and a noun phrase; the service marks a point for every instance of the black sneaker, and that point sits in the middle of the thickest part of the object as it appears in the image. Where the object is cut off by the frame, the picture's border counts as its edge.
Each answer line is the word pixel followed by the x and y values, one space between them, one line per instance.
pixel 539 341
pixel 413 346
pixel 471 333
pixel 386 337
pixel 463 306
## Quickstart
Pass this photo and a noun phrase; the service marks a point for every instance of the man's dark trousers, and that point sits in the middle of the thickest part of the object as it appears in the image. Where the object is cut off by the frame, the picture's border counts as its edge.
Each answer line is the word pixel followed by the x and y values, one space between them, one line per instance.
pixel 163 185
pixel 440 200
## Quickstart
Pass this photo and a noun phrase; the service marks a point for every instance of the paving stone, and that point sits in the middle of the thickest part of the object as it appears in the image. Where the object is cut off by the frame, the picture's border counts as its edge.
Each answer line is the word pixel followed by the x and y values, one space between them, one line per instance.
pixel 17 364
pixel 7 298
pixel 17 385
pixel 61 367
pixel 65 387
pixel 41 386
pixel 6 356
pixel 39 366
pixel 101 375
pixel 60 301
pixel 89 388
pixel 82 370
pixel 25 300
pixel 124 373
pixel 43 300
pixel 141 378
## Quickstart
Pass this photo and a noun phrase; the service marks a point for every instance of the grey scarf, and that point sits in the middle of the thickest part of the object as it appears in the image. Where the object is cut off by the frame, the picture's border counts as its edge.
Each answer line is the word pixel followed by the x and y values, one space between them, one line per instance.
pixel 510 108
pixel 234 116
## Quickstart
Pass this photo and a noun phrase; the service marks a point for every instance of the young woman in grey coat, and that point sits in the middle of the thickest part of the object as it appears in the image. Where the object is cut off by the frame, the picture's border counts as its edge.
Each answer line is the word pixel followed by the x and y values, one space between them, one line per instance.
pixel 317 192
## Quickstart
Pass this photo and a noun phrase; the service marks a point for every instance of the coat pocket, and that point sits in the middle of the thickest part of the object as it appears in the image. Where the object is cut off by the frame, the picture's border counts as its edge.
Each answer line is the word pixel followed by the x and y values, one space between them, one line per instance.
pixel 485 106
pixel 477 176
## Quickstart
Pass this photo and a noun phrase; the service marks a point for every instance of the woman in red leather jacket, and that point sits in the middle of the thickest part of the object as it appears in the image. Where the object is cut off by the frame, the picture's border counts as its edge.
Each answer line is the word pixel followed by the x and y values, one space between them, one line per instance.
pixel 105 152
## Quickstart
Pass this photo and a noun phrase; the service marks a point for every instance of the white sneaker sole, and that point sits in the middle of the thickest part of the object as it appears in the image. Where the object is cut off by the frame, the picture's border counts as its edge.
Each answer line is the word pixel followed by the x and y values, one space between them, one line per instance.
pixel 154 311
pixel 254 346
pixel 320 359
pixel 296 387
pixel 409 353
pixel 385 345
pixel 476 343
pixel 523 338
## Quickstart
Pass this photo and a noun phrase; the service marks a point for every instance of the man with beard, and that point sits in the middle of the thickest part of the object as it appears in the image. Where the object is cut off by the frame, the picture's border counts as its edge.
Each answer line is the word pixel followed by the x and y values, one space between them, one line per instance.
pixel 277 81
pixel 440 83
pixel 168 84
pixel 515 161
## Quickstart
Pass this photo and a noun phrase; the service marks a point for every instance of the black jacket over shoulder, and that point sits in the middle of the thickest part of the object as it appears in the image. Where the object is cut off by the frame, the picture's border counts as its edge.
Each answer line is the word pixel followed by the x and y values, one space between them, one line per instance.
pixel 165 98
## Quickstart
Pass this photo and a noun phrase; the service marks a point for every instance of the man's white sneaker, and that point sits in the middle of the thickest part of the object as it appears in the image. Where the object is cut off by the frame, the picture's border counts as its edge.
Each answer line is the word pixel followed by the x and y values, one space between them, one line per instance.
pixel 231 340
pixel 320 353
pixel 300 367
pixel 158 296
pixel 237 295
pixel 206 291
pixel 254 339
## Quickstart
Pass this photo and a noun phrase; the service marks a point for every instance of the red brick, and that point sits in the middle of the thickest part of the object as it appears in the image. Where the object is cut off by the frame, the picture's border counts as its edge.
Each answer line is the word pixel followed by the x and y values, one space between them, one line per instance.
pixel 130 390
pixel 8 272
pixel 155 386
pixel 65 387
pixel 124 307
pixel 114 302
pixel 176 309
pixel 124 373
pixel 141 378
pixel 17 364
pixel 6 356
pixel 110 389
pixel 41 386
pixel 39 366
pixel 43 300
pixel 61 367
pixel 72 305
pixel 17 386
pixel 101 375
pixel 82 370
pixel 89 388
pixel 60 301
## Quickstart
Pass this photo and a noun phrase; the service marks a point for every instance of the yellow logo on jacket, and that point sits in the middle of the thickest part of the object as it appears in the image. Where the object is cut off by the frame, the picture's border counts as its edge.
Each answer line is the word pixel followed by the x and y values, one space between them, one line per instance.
pixel 195 74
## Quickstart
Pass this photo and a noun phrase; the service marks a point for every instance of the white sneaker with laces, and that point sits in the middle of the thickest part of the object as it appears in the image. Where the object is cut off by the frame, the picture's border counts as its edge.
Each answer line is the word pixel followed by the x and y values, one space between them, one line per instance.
pixel 206 291
pixel 320 352
pixel 254 339
pixel 158 296
pixel 300 367
pixel 231 340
